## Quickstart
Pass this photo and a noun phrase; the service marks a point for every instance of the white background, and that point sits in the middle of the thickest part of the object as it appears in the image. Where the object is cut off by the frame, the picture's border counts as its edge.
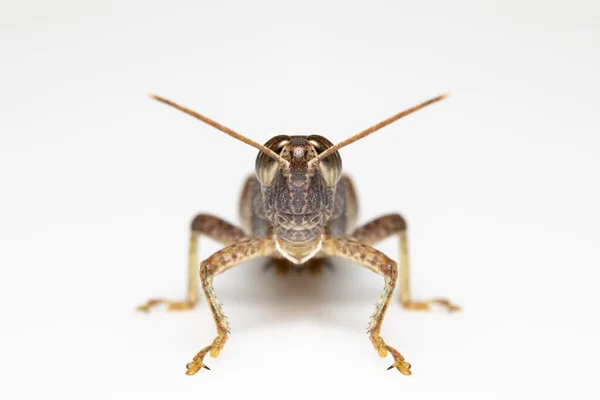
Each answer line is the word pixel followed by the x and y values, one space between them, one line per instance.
pixel 499 184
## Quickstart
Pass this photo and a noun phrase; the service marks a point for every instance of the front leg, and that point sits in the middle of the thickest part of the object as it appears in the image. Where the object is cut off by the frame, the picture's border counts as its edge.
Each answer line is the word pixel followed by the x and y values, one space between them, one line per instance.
pixel 381 264
pixel 382 228
pixel 202 225
pixel 239 252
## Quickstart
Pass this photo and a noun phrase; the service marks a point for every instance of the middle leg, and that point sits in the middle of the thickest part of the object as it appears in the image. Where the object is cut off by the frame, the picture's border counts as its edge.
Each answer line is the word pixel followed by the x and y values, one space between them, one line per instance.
pixel 382 228
pixel 202 225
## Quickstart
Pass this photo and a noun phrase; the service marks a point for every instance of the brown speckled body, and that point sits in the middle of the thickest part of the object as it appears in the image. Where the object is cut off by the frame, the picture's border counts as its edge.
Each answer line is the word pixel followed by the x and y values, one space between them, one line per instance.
pixel 298 207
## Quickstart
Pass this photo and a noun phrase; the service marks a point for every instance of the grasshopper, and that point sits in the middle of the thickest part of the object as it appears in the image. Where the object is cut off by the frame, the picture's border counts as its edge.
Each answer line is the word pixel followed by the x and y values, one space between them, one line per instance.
pixel 300 208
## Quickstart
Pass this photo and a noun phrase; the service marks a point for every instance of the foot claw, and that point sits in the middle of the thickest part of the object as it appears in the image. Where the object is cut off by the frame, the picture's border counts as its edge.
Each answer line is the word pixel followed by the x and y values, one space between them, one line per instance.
pixel 213 349
pixel 383 349
pixel 194 367
pixel 402 366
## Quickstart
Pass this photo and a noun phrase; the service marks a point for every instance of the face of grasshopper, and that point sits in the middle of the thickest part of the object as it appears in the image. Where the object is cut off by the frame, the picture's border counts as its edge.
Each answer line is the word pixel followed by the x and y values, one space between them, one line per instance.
pixel 298 177
pixel 298 194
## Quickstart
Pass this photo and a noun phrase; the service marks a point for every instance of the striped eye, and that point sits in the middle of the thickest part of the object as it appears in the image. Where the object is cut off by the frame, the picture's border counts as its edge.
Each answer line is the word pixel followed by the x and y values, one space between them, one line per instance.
pixel 266 167
pixel 330 167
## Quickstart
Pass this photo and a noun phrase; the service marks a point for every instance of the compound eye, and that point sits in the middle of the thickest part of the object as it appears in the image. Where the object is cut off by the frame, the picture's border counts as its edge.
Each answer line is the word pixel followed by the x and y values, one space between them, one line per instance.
pixel 330 167
pixel 266 167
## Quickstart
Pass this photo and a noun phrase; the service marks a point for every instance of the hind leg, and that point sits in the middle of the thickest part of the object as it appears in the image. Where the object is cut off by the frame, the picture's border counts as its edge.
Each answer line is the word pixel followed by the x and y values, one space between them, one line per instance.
pixel 202 225
pixel 382 228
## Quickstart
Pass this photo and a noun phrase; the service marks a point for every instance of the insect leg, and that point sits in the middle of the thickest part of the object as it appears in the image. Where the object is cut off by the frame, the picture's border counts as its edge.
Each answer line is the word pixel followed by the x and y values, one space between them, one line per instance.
pixel 235 254
pixel 202 225
pixel 381 264
pixel 382 228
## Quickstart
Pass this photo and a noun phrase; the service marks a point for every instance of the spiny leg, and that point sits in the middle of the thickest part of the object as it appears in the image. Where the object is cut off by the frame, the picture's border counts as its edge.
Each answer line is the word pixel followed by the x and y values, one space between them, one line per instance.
pixel 381 264
pixel 382 228
pixel 214 228
pixel 235 254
